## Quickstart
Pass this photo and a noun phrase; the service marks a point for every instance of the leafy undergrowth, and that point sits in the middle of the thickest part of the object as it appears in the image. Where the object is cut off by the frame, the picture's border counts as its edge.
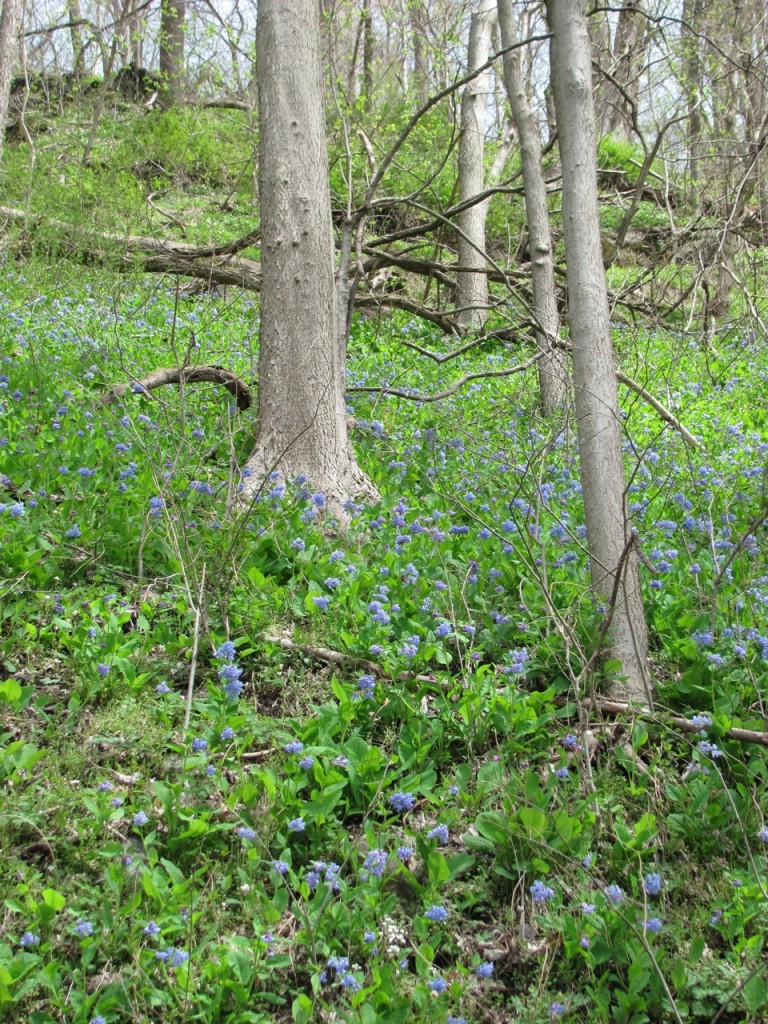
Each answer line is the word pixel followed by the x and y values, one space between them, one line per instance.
pixel 422 829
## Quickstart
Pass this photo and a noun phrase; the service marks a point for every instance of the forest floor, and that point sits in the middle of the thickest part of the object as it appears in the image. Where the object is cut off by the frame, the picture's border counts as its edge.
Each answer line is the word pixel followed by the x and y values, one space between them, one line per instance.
pixel 398 797
pixel 444 835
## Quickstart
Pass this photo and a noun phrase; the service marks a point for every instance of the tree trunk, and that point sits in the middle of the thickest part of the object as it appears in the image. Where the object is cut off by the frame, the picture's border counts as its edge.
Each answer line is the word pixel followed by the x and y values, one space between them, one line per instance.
pixel 10 23
pixel 472 287
pixel 302 409
pixel 614 563
pixel 172 14
pixel 553 372
pixel 420 55
pixel 76 36
pixel 692 87
pixel 629 48
pixel 369 41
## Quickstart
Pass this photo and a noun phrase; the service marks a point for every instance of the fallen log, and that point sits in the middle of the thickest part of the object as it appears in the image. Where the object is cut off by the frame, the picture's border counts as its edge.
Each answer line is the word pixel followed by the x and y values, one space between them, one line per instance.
pixel 184 375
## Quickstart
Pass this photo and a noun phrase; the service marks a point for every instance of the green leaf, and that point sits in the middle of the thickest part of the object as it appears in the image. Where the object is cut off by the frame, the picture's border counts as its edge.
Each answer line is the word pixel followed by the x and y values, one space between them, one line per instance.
pixel 697 948
pixel 491 825
pixel 755 993
pixel 678 975
pixel 459 863
pixel 437 868
pixel 10 691
pixel 534 821
pixel 301 1009
pixel 195 827
pixel 53 899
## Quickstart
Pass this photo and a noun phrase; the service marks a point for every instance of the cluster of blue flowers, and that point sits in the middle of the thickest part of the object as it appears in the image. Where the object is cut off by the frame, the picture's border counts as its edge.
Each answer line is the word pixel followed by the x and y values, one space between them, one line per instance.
pixel 229 672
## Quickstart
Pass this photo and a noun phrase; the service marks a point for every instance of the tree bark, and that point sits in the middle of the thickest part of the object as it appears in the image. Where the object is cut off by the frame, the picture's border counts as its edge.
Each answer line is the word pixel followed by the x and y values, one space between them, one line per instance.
pixel 472 287
pixel 613 558
pixel 172 15
pixel 76 35
pixel 552 368
pixel 302 410
pixel 10 23
pixel 626 67
pixel 369 41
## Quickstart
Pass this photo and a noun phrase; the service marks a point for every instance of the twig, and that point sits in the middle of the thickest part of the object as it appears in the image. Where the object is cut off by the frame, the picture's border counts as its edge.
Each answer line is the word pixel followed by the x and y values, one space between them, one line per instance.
pixel 662 410
pixel 195 646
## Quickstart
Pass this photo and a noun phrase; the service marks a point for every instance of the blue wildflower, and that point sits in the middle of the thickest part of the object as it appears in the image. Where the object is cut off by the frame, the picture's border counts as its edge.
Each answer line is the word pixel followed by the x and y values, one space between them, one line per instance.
pixel 401 802
pixel 614 894
pixel 541 892
pixel 436 913
pixel 440 833
pixel 652 884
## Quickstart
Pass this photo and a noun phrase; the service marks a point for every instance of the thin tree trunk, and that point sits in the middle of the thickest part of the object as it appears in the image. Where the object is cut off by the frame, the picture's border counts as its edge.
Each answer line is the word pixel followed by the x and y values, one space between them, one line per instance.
pixel 172 15
pixel 692 86
pixel 472 287
pixel 553 372
pixel 369 41
pixel 615 575
pixel 10 23
pixel 302 408
pixel 420 56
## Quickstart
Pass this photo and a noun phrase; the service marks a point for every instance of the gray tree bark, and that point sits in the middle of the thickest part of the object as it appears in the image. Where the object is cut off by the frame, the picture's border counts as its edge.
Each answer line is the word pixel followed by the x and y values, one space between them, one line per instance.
pixel 472 284
pixel 552 367
pixel 613 558
pixel 10 23
pixel 629 46
pixel 302 410
pixel 76 35
pixel 172 35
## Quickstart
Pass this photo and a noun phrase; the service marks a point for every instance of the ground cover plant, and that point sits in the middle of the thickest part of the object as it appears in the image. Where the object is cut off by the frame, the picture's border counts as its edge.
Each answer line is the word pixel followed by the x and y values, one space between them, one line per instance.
pixel 256 768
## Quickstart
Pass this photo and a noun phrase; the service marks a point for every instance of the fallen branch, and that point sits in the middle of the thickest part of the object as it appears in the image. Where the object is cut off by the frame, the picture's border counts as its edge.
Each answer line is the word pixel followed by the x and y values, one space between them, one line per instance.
pixel 617 707
pixel 610 707
pixel 184 375
pixel 332 657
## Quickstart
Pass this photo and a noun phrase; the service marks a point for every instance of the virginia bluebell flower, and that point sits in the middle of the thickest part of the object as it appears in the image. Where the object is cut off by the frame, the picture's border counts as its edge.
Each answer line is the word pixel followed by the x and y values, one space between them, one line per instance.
pixel 401 802
pixel 541 892
pixel 614 894
pixel 436 913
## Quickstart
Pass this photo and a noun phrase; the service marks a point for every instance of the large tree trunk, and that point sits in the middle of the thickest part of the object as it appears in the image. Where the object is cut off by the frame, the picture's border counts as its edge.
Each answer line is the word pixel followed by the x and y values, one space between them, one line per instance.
pixel 553 373
pixel 10 22
pixel 172 14
pixel 302 410
pixel 614 563
pixel 472 284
